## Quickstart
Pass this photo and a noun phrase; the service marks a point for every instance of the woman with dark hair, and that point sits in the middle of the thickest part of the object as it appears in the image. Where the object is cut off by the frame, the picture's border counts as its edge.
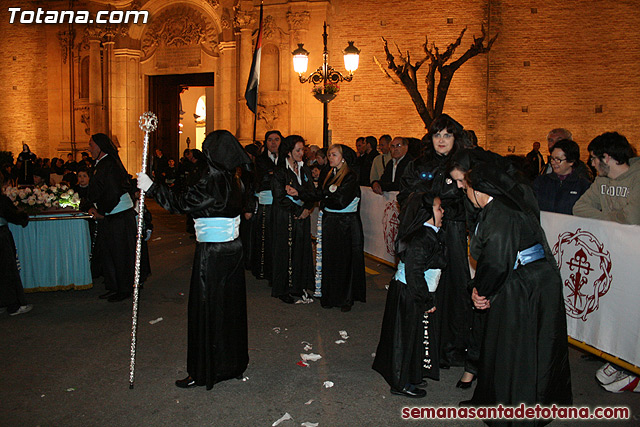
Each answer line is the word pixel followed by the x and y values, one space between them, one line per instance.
pixel 405 353
pixel 217 332
pixel 293 265
pixel 342 248
pixel 261 244
pixel 524 356
pixel 559 190
pixel 429 173
pixel 57 171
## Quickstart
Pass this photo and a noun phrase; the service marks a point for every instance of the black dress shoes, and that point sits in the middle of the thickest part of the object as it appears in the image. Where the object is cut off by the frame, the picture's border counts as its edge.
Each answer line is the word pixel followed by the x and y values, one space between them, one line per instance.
pixel 186 383
pixel 464 384
pixel 118 297
pixel 345 308
pixel 413 392
pixel 107 294
pixel 287 299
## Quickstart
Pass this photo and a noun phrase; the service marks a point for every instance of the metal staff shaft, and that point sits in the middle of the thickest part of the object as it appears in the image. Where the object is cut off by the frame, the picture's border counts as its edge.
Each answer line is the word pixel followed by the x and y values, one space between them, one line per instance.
pixel 148 123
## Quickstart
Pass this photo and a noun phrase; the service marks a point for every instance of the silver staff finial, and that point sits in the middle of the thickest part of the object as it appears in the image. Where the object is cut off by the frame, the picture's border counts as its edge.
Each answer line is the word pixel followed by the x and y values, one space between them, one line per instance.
pixel 148 122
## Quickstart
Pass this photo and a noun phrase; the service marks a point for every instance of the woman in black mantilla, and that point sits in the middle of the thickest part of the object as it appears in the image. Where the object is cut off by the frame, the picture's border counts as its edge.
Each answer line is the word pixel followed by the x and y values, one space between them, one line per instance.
pixel 217 335
pixel 405 354
pixel 429 173
pixel 293 259
pixel 343 278
pixel 524 351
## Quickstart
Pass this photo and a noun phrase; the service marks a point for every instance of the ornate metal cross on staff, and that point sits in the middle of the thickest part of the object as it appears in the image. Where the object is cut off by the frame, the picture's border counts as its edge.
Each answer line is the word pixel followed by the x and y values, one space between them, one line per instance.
pixel 148 123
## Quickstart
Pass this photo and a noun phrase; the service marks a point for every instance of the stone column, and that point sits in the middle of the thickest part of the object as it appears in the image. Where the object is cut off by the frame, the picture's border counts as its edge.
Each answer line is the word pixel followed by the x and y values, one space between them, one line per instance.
pixel 225 116
pixel 299 94
pixel 126 106
pixel 95 83
pixel 244 19
pixel 108 46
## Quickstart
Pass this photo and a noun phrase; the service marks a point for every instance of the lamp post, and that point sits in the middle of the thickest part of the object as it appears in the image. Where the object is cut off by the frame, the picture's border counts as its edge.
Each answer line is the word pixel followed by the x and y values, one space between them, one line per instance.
pixel 325 78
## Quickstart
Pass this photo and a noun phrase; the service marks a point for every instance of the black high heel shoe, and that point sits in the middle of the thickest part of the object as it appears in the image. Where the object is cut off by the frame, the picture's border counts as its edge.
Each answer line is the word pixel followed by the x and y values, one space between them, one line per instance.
pixel 464 384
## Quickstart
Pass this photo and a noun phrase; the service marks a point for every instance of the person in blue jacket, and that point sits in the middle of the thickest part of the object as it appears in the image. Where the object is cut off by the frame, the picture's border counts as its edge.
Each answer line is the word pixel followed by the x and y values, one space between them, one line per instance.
pixel 559 190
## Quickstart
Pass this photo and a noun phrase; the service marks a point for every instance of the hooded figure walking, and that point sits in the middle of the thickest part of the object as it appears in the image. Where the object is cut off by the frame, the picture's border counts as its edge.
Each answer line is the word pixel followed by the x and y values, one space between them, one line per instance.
pixel 217 320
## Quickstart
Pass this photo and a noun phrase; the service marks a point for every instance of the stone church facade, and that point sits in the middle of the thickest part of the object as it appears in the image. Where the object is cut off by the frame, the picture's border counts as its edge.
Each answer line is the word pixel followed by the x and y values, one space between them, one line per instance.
pixel 570 64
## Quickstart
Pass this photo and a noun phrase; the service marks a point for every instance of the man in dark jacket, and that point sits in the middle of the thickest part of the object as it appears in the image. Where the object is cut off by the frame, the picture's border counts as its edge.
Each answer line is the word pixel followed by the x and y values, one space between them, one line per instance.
pixel 390 180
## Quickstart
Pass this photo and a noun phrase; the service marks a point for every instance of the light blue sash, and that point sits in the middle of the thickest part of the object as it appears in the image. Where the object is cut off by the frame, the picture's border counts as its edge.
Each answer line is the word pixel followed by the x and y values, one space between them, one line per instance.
pixel 432 276
pixel 353 207
pixel 265 197
pixel 124 204
pixel 217 230
pixel 297 202
pixel 3 222
pixel 526 256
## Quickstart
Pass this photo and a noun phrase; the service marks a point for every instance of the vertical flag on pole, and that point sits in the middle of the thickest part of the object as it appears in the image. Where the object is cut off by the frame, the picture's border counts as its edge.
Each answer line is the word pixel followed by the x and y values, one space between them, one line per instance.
pixel 251 93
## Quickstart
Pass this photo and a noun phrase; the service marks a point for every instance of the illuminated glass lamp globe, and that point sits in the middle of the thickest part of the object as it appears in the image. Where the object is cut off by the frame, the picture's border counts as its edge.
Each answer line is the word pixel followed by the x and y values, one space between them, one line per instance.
pixel 351 58
pixel 300 59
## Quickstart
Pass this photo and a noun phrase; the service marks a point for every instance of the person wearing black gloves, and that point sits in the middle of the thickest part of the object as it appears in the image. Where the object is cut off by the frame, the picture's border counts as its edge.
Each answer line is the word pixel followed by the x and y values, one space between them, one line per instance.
pixel 217 347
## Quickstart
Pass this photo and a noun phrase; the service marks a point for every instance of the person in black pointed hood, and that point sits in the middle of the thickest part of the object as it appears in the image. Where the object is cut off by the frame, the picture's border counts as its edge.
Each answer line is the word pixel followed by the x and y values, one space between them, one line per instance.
pixel 217 348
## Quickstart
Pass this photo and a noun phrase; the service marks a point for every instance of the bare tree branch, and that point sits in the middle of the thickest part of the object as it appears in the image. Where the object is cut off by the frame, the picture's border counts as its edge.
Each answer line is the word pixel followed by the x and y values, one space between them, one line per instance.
pixel 385 72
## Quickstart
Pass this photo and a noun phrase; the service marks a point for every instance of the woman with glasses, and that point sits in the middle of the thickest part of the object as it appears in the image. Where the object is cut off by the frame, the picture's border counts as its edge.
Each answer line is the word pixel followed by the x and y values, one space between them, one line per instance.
pixel 559 190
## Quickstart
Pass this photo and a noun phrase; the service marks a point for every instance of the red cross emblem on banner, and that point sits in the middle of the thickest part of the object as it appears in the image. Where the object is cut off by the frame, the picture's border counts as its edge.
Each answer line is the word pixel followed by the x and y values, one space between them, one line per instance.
pixel 585 266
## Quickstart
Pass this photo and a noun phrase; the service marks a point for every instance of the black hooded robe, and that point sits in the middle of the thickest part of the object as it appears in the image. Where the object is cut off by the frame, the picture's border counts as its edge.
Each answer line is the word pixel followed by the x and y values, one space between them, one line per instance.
pixel 524 356
pixel 117 232
pixel 217 348
pixel 293 269
pixel 262 221
pixel 429 173
pixel 401 354
pixel 343 277
pixel 11 290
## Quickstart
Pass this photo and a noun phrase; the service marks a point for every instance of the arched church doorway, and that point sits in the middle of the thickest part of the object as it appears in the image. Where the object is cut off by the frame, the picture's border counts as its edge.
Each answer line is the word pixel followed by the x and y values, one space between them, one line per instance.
pixel 165 95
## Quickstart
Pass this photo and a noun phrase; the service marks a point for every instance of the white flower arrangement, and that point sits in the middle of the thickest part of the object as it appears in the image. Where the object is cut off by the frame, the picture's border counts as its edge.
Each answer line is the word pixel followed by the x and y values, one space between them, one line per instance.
pixel 34 200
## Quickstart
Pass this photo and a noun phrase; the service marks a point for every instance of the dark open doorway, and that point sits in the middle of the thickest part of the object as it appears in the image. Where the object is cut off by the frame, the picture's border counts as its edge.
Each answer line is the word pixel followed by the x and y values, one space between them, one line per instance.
pixel 164 101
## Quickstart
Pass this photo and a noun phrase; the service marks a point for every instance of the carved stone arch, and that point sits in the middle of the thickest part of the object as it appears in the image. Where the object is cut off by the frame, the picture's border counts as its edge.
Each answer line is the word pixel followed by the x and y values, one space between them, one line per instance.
pixel 200 20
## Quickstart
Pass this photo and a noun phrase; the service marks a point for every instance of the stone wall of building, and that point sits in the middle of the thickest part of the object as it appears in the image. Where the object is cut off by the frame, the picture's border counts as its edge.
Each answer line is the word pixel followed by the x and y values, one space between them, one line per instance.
pixel 570 64
pixel 23 84
pixel 566 64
